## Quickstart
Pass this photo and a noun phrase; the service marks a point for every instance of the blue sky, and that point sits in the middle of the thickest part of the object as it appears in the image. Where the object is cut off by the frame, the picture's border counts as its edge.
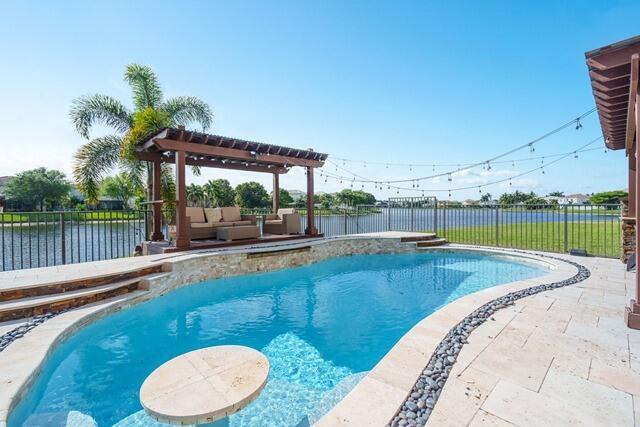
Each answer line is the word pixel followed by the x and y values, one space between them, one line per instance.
pixel 429 82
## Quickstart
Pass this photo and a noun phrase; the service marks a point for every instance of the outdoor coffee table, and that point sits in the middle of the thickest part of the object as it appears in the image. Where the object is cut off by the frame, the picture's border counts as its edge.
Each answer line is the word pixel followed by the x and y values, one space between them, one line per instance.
pixel 205 385
pixel 238 232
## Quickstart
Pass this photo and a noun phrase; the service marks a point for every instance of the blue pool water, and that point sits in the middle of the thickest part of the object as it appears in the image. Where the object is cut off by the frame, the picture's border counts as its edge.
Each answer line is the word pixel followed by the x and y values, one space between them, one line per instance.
pixel 322 326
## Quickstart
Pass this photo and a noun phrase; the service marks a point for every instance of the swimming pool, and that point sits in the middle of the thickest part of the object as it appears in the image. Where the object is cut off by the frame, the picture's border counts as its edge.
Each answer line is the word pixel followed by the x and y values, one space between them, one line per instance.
pixel 322 326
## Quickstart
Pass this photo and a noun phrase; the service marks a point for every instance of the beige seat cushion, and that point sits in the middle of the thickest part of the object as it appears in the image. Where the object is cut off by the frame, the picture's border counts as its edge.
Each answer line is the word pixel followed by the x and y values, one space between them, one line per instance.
pixel 273 221
pixel 213 214
pixel 231 213
pixel 284 211
pixel 201 225
pixel 196 214
pixel 245 222
pixel 223 224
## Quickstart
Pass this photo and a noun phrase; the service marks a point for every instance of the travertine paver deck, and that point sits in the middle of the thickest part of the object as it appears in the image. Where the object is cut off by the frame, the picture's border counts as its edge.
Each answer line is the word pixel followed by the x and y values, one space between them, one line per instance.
pixel 559 358
pixel 204 385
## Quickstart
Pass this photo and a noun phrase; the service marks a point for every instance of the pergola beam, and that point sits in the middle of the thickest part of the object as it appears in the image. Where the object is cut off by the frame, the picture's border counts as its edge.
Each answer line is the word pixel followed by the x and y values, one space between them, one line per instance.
pixel 233 153
pixel 150 157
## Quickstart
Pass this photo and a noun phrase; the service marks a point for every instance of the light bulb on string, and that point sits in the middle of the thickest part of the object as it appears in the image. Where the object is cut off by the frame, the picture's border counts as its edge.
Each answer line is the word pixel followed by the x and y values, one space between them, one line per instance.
pixel 488 166
pixel 575 154
pixel 509 182
pixel 578 124
pixel 449 177
pixel 449 193
pixel 531 147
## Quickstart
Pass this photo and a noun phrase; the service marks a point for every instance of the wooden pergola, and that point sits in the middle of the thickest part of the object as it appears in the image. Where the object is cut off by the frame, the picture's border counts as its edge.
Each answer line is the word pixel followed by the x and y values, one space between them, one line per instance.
pixel 614 71
pixel 186 148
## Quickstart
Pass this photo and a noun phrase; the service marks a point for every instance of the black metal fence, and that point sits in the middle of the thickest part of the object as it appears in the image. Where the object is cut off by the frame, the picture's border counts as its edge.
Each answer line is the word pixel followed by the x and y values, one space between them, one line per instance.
pixel 52 238
pixel 41 239
pixel 593 228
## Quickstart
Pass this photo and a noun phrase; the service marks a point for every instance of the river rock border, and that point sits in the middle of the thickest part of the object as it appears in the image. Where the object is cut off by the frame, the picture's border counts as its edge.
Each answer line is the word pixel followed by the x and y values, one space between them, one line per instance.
pixel 9 337
pixel 417 408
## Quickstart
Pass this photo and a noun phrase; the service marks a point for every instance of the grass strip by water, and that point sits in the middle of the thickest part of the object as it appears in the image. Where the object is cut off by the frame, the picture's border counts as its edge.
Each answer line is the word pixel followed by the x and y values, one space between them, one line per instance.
pixel 35 217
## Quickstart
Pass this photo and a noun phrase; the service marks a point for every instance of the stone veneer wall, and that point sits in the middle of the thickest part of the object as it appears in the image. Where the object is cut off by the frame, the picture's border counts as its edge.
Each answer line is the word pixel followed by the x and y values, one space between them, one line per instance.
pixel 628 232
pixel 213 266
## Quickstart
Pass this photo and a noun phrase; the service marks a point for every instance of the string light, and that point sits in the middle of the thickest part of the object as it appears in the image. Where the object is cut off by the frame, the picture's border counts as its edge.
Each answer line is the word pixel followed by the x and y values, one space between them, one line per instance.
pixel 449 190
pixel 449 174
pixel 577 121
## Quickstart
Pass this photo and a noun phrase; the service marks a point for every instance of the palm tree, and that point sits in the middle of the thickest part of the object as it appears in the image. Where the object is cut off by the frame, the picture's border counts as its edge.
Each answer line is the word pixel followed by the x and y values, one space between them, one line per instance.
pixel 151 114
pixel 195 194
pixel 219 192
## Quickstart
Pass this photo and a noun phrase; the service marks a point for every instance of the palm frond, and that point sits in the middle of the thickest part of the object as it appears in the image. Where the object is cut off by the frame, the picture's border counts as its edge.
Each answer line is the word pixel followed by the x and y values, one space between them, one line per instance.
pixel 89 110
pixel 147 92
pixel 92 161
pixel 134 169
pixel 185 110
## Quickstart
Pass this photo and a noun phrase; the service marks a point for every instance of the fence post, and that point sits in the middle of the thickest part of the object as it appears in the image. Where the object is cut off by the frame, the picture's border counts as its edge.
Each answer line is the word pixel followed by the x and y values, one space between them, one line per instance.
pixel 63 240
pixel 146 225
pixel 344 215
pixel 389 215
pixel 566 228
pixel 435 217
pixel 357 219
pixel 497 227
pixel 412 211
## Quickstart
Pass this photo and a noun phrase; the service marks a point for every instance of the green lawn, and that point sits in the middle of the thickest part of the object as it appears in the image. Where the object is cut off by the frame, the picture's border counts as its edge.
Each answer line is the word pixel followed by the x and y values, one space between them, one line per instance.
pixel 600 239
pixel 35 217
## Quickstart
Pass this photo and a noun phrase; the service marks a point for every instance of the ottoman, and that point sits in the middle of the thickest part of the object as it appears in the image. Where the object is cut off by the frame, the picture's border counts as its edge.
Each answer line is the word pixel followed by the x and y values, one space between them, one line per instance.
pixel 238 232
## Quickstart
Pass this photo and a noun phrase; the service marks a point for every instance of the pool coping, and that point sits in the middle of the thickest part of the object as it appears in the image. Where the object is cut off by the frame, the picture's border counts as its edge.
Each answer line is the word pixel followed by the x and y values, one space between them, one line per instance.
pixel 381 394
pixel 22 361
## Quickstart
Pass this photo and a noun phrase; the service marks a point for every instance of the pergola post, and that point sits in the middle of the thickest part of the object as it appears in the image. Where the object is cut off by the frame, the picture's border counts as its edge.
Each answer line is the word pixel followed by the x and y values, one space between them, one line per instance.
pixel 276 192
pixel 182 226
pixel 631 203
pixel 311 226
pixel 157 235
pixel 632 312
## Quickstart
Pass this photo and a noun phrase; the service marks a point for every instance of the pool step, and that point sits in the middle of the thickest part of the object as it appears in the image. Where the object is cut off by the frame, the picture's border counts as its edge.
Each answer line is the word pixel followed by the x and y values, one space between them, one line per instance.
pixel 74 285
pixel 439 241
pixel 421 238
pixel 31 306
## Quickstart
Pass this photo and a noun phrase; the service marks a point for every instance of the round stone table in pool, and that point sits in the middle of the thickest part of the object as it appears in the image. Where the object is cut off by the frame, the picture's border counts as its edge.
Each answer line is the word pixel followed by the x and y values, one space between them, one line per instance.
pixel 205 385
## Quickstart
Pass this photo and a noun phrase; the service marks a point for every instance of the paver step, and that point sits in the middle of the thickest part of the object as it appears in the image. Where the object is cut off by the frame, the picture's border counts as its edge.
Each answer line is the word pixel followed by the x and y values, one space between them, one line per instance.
pixel 433 242
pixel 31 306
pixel 421 238
pixel 7 294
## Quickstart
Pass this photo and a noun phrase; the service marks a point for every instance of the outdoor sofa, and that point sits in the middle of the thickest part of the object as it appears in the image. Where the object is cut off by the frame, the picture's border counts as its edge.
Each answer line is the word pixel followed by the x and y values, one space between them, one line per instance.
pixel 204 222
pixel 286 221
